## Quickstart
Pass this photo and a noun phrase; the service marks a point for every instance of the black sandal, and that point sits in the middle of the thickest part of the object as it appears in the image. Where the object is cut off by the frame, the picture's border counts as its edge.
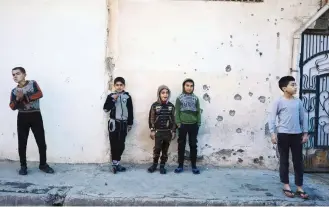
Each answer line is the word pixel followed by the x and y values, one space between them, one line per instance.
pixel 302 195
pixel 288 191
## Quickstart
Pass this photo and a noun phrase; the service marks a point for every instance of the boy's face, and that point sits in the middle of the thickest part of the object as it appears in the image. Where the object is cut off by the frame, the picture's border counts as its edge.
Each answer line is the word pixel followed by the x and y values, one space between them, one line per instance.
pixel 188 87
pixel 164 95
pixel 119 87
pixel 291 88
pixel 18 76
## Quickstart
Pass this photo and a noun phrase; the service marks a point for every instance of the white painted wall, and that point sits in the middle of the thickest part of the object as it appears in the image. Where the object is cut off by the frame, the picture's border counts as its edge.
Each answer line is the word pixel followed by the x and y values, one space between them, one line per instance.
pixel 164 42
pixel 62 45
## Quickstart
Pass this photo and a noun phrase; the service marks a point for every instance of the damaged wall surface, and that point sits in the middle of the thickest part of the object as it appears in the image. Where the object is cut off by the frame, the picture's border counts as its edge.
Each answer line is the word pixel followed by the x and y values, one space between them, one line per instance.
pixel 234 51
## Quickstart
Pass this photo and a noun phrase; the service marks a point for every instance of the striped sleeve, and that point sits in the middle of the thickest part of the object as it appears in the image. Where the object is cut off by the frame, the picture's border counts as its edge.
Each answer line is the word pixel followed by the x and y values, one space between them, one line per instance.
pixel 37 93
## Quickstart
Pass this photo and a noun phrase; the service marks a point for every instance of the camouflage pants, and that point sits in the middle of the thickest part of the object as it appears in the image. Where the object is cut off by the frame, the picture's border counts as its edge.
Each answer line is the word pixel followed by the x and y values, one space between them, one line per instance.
pixel 162 143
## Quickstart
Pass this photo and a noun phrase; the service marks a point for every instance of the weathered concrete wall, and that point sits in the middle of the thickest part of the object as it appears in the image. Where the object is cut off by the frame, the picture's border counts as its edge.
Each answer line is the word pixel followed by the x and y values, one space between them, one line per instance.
pixel 234 51
pixel 62 46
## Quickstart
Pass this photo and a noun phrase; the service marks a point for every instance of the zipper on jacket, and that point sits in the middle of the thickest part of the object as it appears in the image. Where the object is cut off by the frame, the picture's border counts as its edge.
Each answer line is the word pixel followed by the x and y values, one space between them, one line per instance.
pixel 121 107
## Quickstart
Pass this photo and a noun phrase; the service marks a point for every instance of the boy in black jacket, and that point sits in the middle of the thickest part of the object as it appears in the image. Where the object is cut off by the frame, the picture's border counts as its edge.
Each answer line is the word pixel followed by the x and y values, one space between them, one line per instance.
pixel 162 126
pixel 120 106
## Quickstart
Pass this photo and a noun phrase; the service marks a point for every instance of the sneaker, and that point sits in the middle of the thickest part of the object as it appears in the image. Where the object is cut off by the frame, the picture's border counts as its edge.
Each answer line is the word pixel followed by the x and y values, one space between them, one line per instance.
pixel 120 168
pixel 195 170
pixel 179 169
pixel 163 169
pixel 23 170
pixel 47 169
pixel 152 168
pixel 114 169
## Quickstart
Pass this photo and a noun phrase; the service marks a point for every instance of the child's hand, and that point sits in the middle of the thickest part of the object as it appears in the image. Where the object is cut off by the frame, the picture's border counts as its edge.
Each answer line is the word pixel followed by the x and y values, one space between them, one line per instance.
pixel 274 139
pixel 19 95
pixel 173 135
pixel 129 127
pixel 152 135
pixel 305 138
pixel 115 96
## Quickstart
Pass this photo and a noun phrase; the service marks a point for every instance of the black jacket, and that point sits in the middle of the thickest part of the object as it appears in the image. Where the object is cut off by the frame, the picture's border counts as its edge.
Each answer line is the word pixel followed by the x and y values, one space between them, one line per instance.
pixel 120 109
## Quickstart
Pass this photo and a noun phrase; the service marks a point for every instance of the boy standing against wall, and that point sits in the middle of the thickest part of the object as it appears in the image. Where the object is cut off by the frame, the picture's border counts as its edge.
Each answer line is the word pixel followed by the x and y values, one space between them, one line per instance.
pixel 290 133
pixel 162 126
pixel 188 120
pixel 25 98
pixel 120 106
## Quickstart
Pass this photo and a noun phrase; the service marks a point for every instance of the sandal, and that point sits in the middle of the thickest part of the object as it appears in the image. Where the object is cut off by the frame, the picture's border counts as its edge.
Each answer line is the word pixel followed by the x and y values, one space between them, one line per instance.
pixel 288 193
pixel 302 195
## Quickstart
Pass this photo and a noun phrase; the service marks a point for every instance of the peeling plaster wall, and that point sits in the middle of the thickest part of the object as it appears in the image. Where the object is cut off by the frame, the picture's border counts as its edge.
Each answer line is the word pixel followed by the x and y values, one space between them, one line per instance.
pixel 235 52
pixel 62 45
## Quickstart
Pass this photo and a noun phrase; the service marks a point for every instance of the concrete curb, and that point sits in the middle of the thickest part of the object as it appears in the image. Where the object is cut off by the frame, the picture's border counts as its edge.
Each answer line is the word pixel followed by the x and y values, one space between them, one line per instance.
pixel 11 199
pixel 91 185
pixel 53 197
pixel 166 201
pixel 18 199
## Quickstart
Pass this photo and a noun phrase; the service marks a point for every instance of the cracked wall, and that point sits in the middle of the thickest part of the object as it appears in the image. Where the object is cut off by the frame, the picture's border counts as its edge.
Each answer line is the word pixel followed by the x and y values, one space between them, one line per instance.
pixel 234 51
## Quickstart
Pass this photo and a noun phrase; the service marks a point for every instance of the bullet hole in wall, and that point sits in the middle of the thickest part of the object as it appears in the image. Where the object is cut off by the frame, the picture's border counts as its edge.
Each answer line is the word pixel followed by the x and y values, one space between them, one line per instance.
pixel 238 97
pixel 219 118
pixel 262 99
pixel 228 68
pixel 205 87
pixel 267 130
pixel 206 97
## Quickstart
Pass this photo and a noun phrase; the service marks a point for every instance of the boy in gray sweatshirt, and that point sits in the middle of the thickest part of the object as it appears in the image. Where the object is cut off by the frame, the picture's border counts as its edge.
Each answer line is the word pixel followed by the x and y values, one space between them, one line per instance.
pixel 290 133
pixel 120 106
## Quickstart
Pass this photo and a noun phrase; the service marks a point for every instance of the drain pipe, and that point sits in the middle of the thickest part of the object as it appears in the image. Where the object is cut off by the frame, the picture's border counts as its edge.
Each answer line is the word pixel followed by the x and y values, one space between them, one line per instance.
pixel 296 40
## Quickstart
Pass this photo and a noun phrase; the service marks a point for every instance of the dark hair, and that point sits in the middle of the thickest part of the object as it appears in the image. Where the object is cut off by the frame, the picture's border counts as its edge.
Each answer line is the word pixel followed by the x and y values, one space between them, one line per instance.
pixel 120 79
pixel 20 69
pixel 284 81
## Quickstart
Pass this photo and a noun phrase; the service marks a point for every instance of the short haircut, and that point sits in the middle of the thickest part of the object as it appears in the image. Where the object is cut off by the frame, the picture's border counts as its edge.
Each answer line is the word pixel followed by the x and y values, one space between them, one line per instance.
pixel 120 79
pixel 284 81
pixel 20 69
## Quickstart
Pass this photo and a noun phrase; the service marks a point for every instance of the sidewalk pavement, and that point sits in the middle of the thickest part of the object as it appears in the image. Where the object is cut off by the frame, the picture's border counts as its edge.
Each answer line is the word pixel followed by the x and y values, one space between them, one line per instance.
pixel 93 184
